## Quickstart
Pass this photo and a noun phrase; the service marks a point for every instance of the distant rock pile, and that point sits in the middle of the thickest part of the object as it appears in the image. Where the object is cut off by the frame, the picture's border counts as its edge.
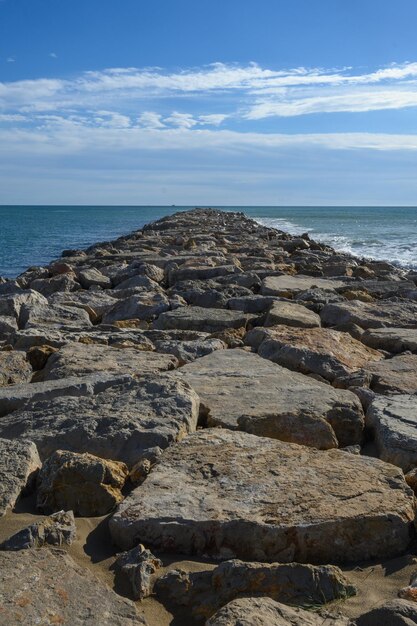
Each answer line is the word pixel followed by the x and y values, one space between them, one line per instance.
pixel 226 391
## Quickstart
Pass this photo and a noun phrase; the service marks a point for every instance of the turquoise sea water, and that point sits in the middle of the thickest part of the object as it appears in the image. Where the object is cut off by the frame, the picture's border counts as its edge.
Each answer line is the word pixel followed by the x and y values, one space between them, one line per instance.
pixel 36 235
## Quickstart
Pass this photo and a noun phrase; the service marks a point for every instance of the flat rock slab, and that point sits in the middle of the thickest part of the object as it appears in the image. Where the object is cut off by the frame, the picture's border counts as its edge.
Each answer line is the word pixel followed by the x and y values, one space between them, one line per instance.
pixel 19 462
pixel 14 368
pixel 329 353
pixel 394 340
pixel 394 423
pixel 80 359
pixel 292 583
pixel 121 423
pixel 267 612
pixel 291 314
pixel 47 587
pixel 15 397
pixel 240 390
pixel 396 375
pixel 230 494
pixel 371 315
pixel 53 316
pixel 290 285
pixel 201 318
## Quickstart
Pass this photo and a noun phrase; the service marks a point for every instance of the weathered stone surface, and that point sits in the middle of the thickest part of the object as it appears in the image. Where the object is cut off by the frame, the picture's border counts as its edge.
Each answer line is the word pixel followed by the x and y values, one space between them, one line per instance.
pixel 410 592
pixel 289 285
pixel 56 530
pixel 394 613
pixel 200 318
pixel 84 483
pixel 60 283
pixel 137 567
pixel 198 273
pixel 322 351
pixel 47 587
pixel 38 356
pixel 19 462
pixel 371 315
pixel 293 583
pixel 396 375
pixel 145 306
pixel 14 368
pixel 391 339
pixel 8 327
pixel 187 351
pixel 96 303
pixel 291 314
pixel 119 423
pixel 92 276
pixel 251 304
pixel 11 303
pixel 230 494
pixel 267 612
pixel 394 423
pixel 80 359
pixel 56 316
pixel 240 390
pixel 15 397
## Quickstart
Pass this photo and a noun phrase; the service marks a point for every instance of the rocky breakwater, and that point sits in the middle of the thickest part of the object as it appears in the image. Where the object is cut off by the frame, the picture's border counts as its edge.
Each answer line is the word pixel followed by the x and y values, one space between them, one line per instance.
pixel 219 390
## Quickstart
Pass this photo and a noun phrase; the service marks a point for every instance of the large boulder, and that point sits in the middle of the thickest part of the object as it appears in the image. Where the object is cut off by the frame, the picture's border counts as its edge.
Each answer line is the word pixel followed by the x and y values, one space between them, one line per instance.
pixel 323 351
pixel 394 613
pixel 144 306
pixel 393 421
pixel 11 303
pixel 233 495
pixel 80 359
pixel 371 315
pixel 201 318
pixel 391 339
pixel 14 368
pixel 396 375
pixel 291 314
pixel 120 423
pixel 292 583
pixel 285 285
pixel 84 483
pixel 19 463
pixel 267 612
pixel 47 587
pixel 240 390
pixel 53 316
pixel 91 276
pixel 56 530
pixel 15 397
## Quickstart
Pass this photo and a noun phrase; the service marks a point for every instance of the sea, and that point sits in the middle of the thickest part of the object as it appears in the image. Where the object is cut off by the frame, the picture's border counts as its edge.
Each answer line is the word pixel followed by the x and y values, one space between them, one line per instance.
pixel 35 235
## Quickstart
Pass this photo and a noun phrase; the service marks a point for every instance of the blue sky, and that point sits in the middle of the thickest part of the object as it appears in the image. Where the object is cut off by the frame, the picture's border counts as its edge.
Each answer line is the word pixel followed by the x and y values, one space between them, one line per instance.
pixel 233 102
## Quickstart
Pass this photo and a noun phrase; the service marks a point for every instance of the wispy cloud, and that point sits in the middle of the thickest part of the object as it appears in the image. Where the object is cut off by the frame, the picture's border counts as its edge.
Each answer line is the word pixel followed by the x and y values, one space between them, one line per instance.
pixel 10 60
pixel 53 55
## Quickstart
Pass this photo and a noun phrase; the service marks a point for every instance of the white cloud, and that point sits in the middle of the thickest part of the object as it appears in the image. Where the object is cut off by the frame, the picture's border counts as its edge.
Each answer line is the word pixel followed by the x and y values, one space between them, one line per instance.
pixel 181 120
pixel 214 119
pixel 10 60
pixel 150 119
pixel 53 55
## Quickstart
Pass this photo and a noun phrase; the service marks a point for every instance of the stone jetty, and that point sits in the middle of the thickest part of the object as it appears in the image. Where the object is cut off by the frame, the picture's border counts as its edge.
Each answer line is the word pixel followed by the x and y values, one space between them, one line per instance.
pixel 215 393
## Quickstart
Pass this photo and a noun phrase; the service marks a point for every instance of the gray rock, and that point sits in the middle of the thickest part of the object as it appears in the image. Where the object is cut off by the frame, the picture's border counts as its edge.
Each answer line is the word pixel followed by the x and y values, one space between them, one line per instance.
pixel 57 317
pixel 200 273
pixel 56 530
pixel 251 304
pixel 15 397
pixel 267 612
pixel 240 390
pixel 138 567
pixel 119 423
pixel 291 314
pixel 187 351
pixel 322 351
pixel 291 285
pixel 394 423
pixel 232 495
pixel 201 319
pixel 80 359
pixel 99 302
pixel 144 306
pixel 59 283
pixel 11 303
pixel 92 276
pixel 8 327
pixel 371 315
pixel 394 613
pixel 396 375
pixel 19 462
pixel 293 583
pixel 391 339
pixel 47 587
pixel 14 368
